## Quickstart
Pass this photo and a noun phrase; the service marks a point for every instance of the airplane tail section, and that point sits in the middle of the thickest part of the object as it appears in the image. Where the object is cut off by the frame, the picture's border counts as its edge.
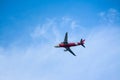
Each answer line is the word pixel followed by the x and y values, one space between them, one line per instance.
pixel 82 42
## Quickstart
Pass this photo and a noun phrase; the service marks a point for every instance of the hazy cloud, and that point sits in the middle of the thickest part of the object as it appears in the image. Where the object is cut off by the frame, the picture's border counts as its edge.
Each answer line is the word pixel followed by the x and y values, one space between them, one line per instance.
pixel 110 17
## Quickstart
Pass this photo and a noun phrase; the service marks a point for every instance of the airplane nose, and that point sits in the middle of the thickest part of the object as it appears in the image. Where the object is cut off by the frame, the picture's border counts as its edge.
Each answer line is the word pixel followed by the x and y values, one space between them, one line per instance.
pixel 56 46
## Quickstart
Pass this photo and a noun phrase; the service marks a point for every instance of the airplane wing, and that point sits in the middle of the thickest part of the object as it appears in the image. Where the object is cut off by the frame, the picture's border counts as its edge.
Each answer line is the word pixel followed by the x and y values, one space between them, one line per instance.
pixel 70 51
pixel 66 38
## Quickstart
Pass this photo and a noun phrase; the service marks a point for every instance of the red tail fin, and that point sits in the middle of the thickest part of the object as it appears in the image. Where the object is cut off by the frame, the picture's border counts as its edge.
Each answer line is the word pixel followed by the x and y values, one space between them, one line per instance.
pixel 82 42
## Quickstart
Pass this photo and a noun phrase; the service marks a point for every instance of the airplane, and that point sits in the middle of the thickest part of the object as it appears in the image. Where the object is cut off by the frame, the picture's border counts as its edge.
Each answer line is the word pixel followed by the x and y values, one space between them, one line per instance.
pixel 67 45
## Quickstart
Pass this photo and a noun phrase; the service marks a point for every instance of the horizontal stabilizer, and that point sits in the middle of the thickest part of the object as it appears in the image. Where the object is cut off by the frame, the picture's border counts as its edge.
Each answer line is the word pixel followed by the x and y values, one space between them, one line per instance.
pixel 82 42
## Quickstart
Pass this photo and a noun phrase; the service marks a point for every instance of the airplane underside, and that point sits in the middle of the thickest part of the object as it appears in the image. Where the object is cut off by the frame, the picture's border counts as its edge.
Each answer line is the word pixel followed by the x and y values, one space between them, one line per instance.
pixel 67 45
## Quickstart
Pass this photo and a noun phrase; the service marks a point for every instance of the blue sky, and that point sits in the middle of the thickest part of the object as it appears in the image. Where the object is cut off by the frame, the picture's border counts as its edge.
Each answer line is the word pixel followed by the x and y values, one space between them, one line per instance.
pixel 29 30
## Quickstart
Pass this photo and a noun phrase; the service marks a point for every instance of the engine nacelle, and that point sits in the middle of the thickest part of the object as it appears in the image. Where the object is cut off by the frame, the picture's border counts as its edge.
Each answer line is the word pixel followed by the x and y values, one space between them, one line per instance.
pixel 65 50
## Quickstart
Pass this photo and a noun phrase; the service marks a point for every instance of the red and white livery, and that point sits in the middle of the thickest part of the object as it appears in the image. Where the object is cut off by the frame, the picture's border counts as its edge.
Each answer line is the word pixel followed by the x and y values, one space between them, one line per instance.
pixel 67 45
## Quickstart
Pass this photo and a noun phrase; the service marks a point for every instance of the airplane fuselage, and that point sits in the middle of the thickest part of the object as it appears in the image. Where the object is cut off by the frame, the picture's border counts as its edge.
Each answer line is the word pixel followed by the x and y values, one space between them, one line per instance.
pixel 68 45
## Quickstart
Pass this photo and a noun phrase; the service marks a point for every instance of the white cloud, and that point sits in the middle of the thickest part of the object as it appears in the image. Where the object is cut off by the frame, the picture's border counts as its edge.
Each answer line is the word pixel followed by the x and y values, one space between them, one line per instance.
pixel 53 29
pixel 67 21
pixel 74 25
pixel 43 29
pixel 109 17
